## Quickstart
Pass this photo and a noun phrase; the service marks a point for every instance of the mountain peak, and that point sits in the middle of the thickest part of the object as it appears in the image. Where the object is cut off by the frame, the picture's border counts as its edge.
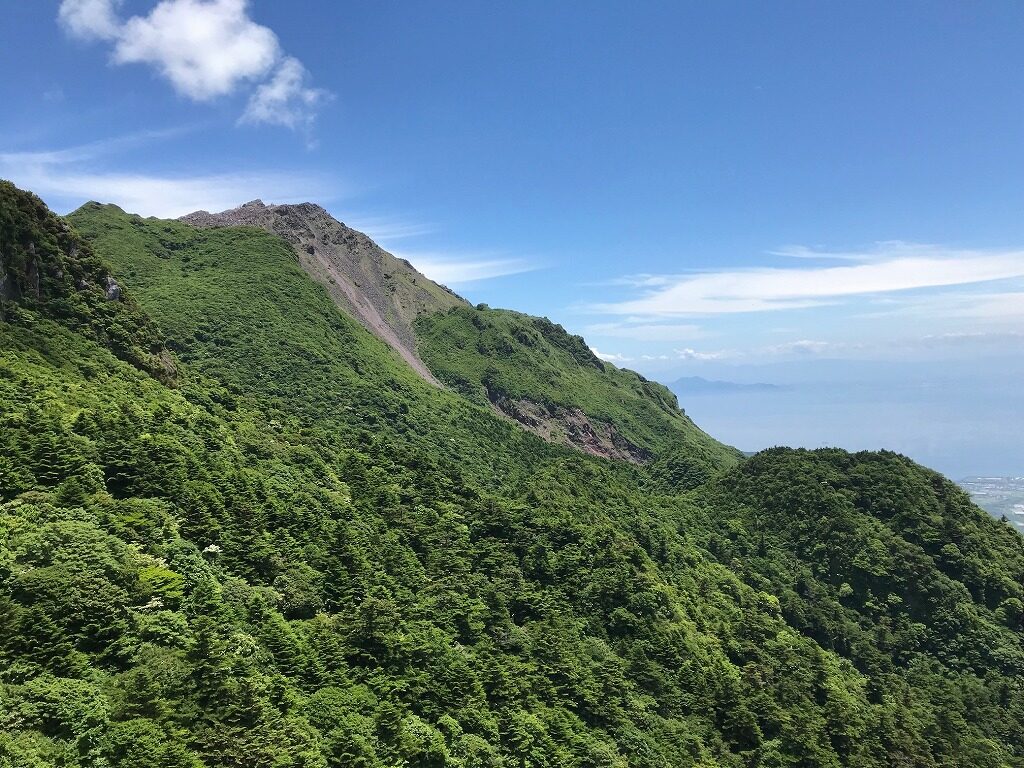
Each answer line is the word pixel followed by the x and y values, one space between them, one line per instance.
pixel 384 293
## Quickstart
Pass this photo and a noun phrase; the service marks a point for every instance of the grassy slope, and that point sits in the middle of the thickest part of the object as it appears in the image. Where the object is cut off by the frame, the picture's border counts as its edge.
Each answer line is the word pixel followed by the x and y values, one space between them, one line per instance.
pixel 240 308
pixel 378 602
pixel 381 291
pixel 483 353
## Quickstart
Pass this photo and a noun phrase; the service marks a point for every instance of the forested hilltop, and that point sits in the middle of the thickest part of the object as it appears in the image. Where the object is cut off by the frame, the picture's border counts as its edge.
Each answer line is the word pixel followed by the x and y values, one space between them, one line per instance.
pixel 236 529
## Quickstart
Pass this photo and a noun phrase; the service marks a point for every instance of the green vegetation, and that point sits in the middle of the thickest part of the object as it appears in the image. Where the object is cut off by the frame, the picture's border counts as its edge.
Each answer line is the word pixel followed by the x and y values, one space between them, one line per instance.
pixel 384 293
pixel 889 565
pixel 303 555
pixel 46 270
pixel 504 358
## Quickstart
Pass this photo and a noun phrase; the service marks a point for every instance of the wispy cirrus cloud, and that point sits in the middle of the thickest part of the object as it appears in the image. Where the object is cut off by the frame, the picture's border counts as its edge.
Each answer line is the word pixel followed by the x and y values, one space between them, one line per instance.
pixel 91 150
pixel 972 338
pixel 898 347
pixel 386 229
pixel 974 305
pixel 67 177
pixel 205 49
pixel 449 269
pixel 804 252
pixel 892 267
pixel 646 331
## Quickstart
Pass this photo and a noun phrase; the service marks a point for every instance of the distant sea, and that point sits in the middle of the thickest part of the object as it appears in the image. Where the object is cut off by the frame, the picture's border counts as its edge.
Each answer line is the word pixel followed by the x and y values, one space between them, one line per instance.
pixel 999 496
pixel 963 425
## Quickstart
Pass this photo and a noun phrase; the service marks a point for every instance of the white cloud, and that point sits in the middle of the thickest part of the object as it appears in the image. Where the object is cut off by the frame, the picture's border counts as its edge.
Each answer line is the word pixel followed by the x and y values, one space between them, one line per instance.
pixel 975 305
pixel 882 349
pixel 444 269
pixel 66 178
pixel 803 347
pixel 803 252
pixel 90 19
pixel 972 338
pixel 646 331
pixel 993 306
pixel 89 151
pixel 895 267
pixel 206 49
pixel 170 196
pixel 385 229
pixel 610 357
pixel 693 354
pixel 641 280
pixel 286 99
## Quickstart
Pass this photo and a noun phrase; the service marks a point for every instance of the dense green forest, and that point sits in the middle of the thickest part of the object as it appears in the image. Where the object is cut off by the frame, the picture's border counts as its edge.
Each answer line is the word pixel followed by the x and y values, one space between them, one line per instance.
pixel 236 530
pixel 534 370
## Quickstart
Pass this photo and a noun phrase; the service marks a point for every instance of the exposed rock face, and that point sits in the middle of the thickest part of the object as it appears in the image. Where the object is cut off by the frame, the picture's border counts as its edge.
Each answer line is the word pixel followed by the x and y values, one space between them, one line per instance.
pixel 47 269
pixel 570 426
pixel 384 293
pixel 111 289
pixel 8 288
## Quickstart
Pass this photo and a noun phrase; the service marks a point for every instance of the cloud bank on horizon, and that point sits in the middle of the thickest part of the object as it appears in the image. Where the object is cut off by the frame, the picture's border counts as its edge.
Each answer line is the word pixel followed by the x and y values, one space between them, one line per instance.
pixel 206 49
pixel 893 268
pixel 892 300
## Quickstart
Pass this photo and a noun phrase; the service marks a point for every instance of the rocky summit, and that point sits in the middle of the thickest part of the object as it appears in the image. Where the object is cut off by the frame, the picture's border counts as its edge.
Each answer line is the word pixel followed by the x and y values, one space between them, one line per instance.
pixel 384 293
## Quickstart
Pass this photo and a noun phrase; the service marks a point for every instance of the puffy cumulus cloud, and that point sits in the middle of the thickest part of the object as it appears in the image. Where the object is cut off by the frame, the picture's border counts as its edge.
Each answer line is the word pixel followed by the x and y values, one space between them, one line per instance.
pixel 692 354
pixel 90 19
pixel 286 99
pixel 206 49
pixel 804 347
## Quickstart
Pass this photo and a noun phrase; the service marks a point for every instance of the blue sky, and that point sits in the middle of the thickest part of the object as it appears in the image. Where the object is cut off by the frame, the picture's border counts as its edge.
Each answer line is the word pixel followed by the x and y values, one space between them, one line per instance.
pixel 753 191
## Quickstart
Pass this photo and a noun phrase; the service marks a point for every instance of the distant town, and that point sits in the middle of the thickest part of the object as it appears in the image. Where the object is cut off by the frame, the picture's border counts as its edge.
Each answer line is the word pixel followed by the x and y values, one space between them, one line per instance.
pixel 999 496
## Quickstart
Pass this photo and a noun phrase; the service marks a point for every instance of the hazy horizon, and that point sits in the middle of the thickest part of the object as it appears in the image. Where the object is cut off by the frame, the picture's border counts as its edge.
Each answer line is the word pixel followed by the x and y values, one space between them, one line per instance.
pixel 960 422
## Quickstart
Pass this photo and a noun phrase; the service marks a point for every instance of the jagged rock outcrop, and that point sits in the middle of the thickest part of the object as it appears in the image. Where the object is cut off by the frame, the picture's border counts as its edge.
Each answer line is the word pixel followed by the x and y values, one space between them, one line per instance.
pixel 570 426
pixel 47 270
pixel 384 293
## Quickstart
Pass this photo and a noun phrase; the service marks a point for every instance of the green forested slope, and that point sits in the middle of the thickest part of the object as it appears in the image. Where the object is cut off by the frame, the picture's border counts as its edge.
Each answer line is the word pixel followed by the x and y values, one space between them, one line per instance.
pixel 47 269
pixel 891 566
pixel 237 306
pixel 533 369
pixel 301 554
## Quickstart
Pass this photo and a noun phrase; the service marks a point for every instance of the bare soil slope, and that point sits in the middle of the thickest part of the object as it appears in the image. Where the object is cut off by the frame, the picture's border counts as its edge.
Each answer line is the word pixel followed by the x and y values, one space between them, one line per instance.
pixel 384 293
